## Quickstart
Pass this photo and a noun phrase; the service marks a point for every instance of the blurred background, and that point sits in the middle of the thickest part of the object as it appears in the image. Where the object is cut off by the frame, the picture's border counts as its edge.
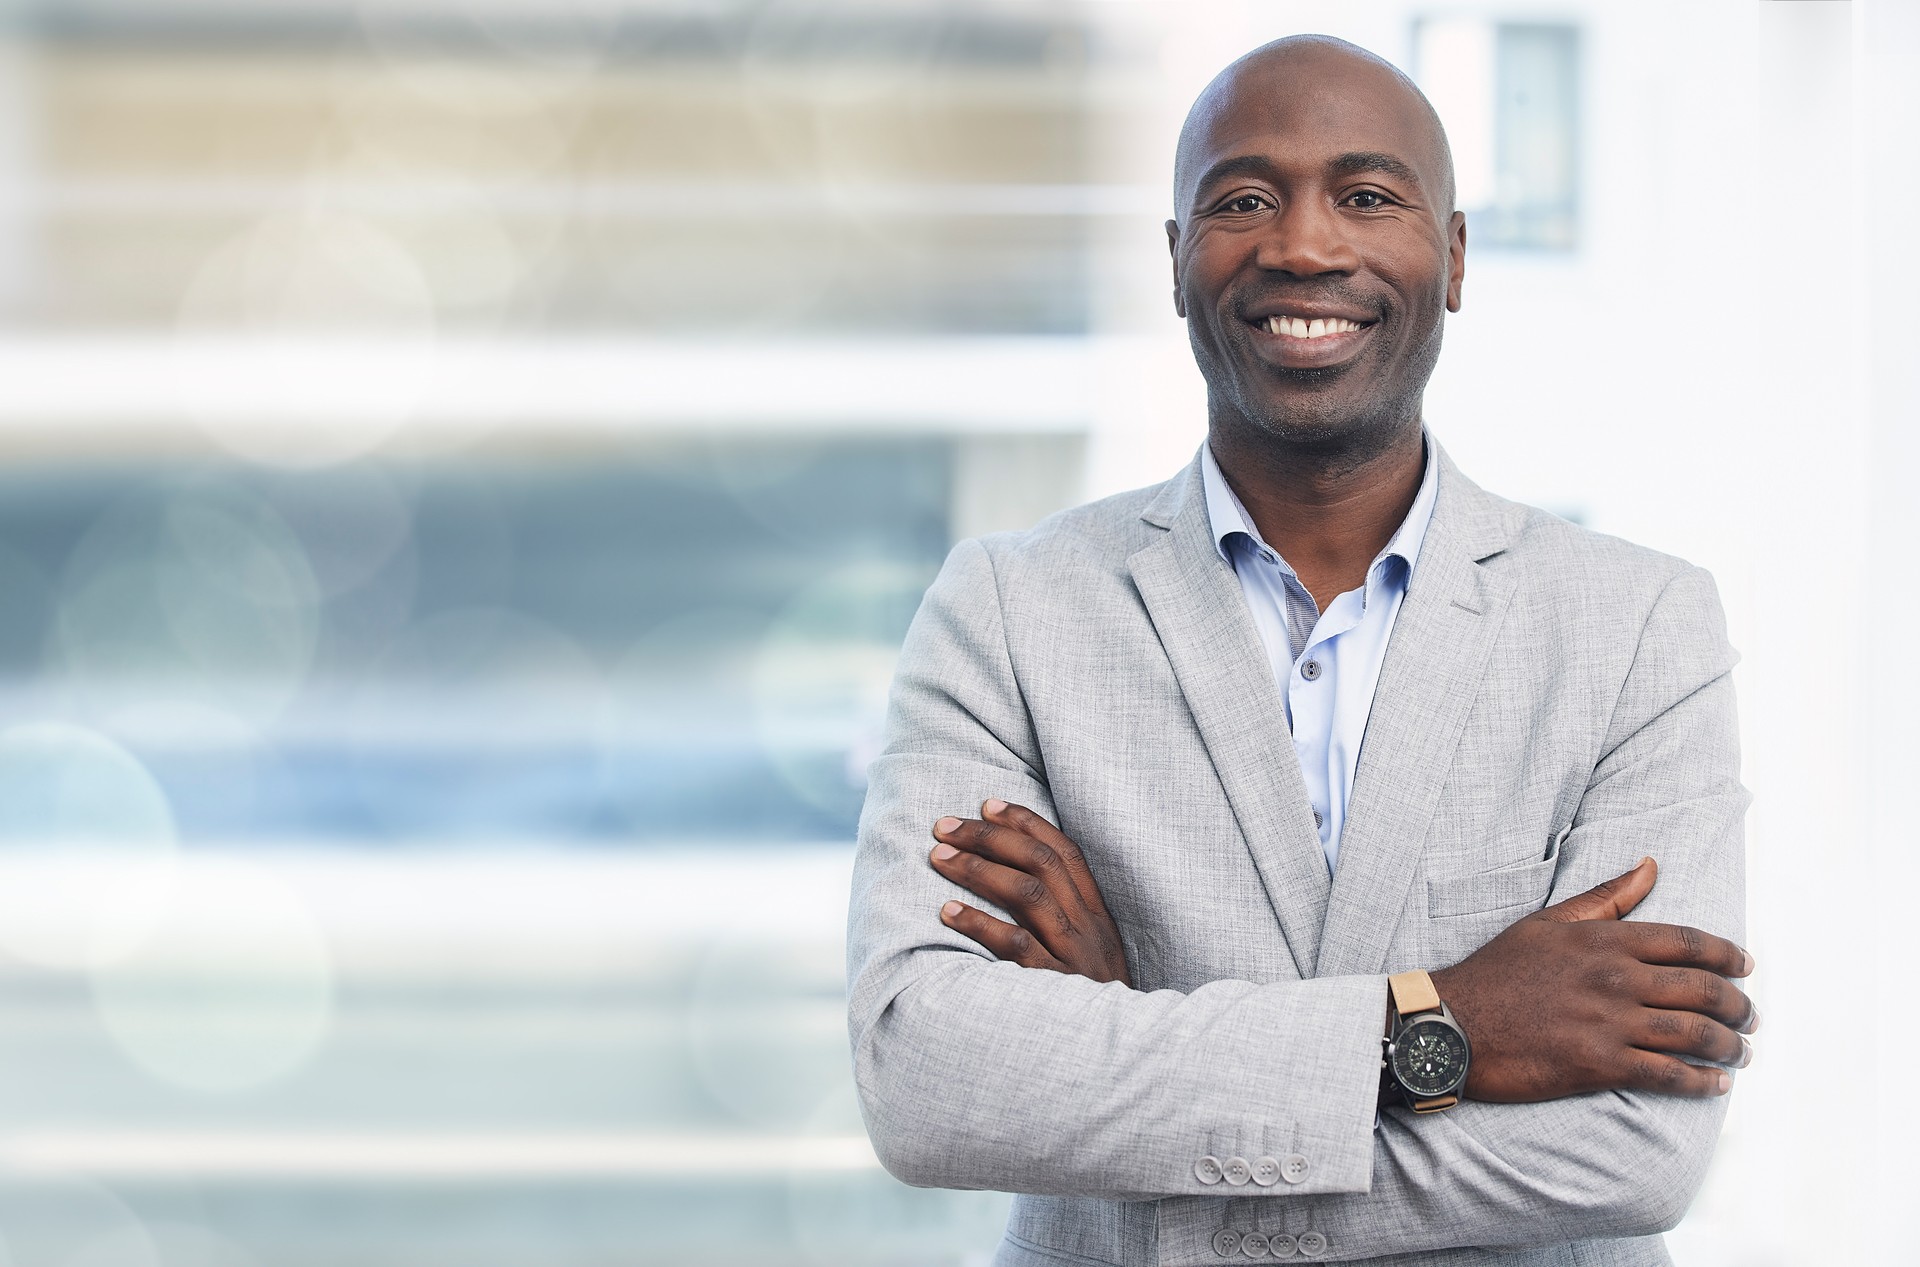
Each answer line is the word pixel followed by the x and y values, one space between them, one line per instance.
pixel 466 465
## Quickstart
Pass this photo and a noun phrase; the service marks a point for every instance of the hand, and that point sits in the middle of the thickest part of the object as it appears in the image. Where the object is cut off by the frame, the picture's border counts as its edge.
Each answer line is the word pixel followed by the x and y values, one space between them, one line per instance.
pixel 1023 864
pixel 1571 999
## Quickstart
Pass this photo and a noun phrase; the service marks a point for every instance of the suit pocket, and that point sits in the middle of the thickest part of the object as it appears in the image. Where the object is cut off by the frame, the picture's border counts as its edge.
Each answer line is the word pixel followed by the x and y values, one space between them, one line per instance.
pixel 1510 888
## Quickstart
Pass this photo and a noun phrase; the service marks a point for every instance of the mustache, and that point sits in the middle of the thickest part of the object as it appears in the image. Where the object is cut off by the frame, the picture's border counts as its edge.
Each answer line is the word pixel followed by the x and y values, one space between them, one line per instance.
pixel 1323 294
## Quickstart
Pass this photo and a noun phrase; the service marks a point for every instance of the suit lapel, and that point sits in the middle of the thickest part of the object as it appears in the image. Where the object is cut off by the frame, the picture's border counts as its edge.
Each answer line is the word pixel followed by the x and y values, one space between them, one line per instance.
pixel 1429 679
pixel 1197 609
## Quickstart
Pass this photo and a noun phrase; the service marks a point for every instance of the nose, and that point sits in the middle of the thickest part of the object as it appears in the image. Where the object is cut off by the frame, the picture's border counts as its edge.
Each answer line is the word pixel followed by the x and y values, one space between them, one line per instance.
pixel 1307 239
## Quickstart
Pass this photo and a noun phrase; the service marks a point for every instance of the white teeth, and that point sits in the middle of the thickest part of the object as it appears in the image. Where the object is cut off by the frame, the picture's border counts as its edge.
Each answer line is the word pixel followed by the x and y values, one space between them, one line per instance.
pixel 1300 328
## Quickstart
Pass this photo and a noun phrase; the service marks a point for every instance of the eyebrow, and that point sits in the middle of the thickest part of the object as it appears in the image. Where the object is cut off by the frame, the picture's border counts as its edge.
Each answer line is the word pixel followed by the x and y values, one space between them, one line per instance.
pixel 1360 162
pixel 1352 163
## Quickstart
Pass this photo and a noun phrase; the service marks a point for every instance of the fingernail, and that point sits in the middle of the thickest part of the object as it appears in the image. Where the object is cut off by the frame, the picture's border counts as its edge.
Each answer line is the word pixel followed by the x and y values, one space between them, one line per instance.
pixel 1746 1053
pixel 1753 1020
pixel 1746 963
pixel 946 825
pixel 994 807
pixel 1724 1083
pixel 950 911
pixel 943 851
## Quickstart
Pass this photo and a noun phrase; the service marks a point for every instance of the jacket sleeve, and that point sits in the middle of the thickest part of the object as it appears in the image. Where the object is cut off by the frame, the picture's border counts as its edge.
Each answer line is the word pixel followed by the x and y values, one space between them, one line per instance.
pixel 973 1073
pixel 1610 1164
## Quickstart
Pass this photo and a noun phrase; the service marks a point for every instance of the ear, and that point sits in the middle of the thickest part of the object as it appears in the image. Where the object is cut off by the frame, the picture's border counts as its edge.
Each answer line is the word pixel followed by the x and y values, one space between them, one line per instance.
pixel 1173 250
pixel 1456 258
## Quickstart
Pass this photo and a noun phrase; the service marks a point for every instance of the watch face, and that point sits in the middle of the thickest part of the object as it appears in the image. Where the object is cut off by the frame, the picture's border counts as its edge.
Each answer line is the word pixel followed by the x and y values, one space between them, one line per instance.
pixel 1430 1058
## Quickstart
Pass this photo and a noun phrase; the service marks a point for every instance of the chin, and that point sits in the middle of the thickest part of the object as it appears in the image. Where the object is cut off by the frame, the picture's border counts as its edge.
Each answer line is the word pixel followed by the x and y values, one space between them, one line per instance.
pixel 1328 426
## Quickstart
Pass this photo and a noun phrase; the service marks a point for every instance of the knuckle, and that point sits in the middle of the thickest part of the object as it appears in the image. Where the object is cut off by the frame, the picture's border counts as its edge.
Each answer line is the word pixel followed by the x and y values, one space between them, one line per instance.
pixel 1028 890
pixel 1663 1075
pixel 1609 979
pixel 1693 943
pixel 1020 944
pixel 1597 936
pixel 1044 857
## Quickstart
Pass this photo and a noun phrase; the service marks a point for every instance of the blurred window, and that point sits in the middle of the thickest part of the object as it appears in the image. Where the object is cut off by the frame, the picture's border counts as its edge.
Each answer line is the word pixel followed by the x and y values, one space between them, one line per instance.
pixel 690 643
pixel 1509 95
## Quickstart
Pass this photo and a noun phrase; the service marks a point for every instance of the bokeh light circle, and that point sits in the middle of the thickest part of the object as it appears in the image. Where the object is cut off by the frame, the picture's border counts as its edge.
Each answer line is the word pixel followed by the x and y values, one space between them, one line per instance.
pixel 266 310
pixel 87 845
pixel 202 596
pixel 231 990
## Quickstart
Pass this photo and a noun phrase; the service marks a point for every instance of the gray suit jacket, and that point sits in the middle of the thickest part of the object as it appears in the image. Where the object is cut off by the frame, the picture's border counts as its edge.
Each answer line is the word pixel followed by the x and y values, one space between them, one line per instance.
pixel 1554 705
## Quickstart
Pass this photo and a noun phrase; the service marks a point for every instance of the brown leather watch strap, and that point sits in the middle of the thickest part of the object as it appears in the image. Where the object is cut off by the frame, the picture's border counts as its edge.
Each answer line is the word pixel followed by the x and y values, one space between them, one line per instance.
pixel 1436 1104
pixel 1413 992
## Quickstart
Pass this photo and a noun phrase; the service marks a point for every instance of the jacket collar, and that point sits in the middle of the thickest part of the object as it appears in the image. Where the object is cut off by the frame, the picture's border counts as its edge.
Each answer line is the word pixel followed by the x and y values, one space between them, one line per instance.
pixel 1441 643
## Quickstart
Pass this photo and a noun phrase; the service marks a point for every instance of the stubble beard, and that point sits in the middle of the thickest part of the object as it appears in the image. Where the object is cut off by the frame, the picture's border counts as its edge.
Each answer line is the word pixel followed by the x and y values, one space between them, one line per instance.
pixel 1335 436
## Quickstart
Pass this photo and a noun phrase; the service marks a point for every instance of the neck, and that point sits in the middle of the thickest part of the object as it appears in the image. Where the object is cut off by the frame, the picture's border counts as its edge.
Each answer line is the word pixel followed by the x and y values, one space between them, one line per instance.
pixel 1328 512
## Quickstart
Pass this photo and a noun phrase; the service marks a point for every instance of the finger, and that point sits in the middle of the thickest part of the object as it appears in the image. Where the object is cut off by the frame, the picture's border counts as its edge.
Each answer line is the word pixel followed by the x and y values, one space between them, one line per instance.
pixel 1033 825
pixel 1691 1034
pixel 1683 947
pixel 1016 849
pixel 1007 941
pixel 1610 899
pixel 1669 1075
pixel 1010 889
pixel 1693 990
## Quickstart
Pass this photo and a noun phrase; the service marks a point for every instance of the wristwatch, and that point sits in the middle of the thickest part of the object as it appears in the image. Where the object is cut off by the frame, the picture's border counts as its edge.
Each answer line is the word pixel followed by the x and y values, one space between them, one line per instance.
pixel 1426 1050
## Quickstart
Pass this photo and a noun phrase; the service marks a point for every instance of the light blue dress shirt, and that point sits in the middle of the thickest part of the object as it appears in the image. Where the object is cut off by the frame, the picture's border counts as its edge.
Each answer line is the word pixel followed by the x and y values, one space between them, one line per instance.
pixel 1326 663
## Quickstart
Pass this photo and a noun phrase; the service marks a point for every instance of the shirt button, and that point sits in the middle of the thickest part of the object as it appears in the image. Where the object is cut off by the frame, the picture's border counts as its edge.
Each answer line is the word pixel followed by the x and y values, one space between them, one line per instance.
pixel 1310 670
pixel 1226 1242
pixel 1312 1244
pixel 1207 1169
pixel 1253 1245
pixel 1281 1245
pixel 1236 1171
pixel 1294 1168
pixel 1266 1172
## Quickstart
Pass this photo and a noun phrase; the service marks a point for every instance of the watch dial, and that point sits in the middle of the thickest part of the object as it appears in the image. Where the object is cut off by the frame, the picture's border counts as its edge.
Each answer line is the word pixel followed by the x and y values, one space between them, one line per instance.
pixel 1430 1058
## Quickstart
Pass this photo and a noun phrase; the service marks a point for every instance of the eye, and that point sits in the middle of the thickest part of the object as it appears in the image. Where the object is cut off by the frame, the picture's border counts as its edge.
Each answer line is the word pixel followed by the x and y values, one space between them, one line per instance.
pixel 1368 199
pixel 1245 204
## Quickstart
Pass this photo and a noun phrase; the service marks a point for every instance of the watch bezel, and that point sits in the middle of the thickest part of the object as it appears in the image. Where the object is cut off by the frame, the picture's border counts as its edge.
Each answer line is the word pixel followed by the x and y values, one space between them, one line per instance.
pixel 1406 1025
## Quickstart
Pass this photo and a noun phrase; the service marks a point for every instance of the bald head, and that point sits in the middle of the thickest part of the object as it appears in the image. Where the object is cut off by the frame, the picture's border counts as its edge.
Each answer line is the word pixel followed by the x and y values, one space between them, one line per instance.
pixel 1309 68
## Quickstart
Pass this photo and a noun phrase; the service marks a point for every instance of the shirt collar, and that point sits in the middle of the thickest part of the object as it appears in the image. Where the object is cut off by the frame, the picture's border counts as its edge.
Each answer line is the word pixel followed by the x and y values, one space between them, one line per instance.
pixel 1228 517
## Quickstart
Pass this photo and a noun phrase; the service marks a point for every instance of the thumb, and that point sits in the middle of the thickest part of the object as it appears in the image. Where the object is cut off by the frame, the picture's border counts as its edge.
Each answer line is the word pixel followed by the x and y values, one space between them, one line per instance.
pixel 1611 899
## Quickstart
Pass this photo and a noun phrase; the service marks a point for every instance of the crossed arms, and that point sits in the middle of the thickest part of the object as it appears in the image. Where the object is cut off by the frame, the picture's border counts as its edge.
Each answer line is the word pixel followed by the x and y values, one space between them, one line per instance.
pixel 981 1072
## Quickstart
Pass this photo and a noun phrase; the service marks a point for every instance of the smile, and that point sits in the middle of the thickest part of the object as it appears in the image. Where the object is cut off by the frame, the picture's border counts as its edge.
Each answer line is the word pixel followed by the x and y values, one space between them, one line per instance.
pixel 1296 341
pixel 1317 328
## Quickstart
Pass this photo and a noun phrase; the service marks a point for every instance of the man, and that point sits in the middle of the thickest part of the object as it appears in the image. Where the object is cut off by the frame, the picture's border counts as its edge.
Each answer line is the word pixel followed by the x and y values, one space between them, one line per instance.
pixel 1303 796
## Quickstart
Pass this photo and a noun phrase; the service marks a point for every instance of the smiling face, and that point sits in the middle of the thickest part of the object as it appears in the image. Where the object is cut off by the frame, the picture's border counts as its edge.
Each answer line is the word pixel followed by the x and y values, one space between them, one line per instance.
pixel 1316 250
